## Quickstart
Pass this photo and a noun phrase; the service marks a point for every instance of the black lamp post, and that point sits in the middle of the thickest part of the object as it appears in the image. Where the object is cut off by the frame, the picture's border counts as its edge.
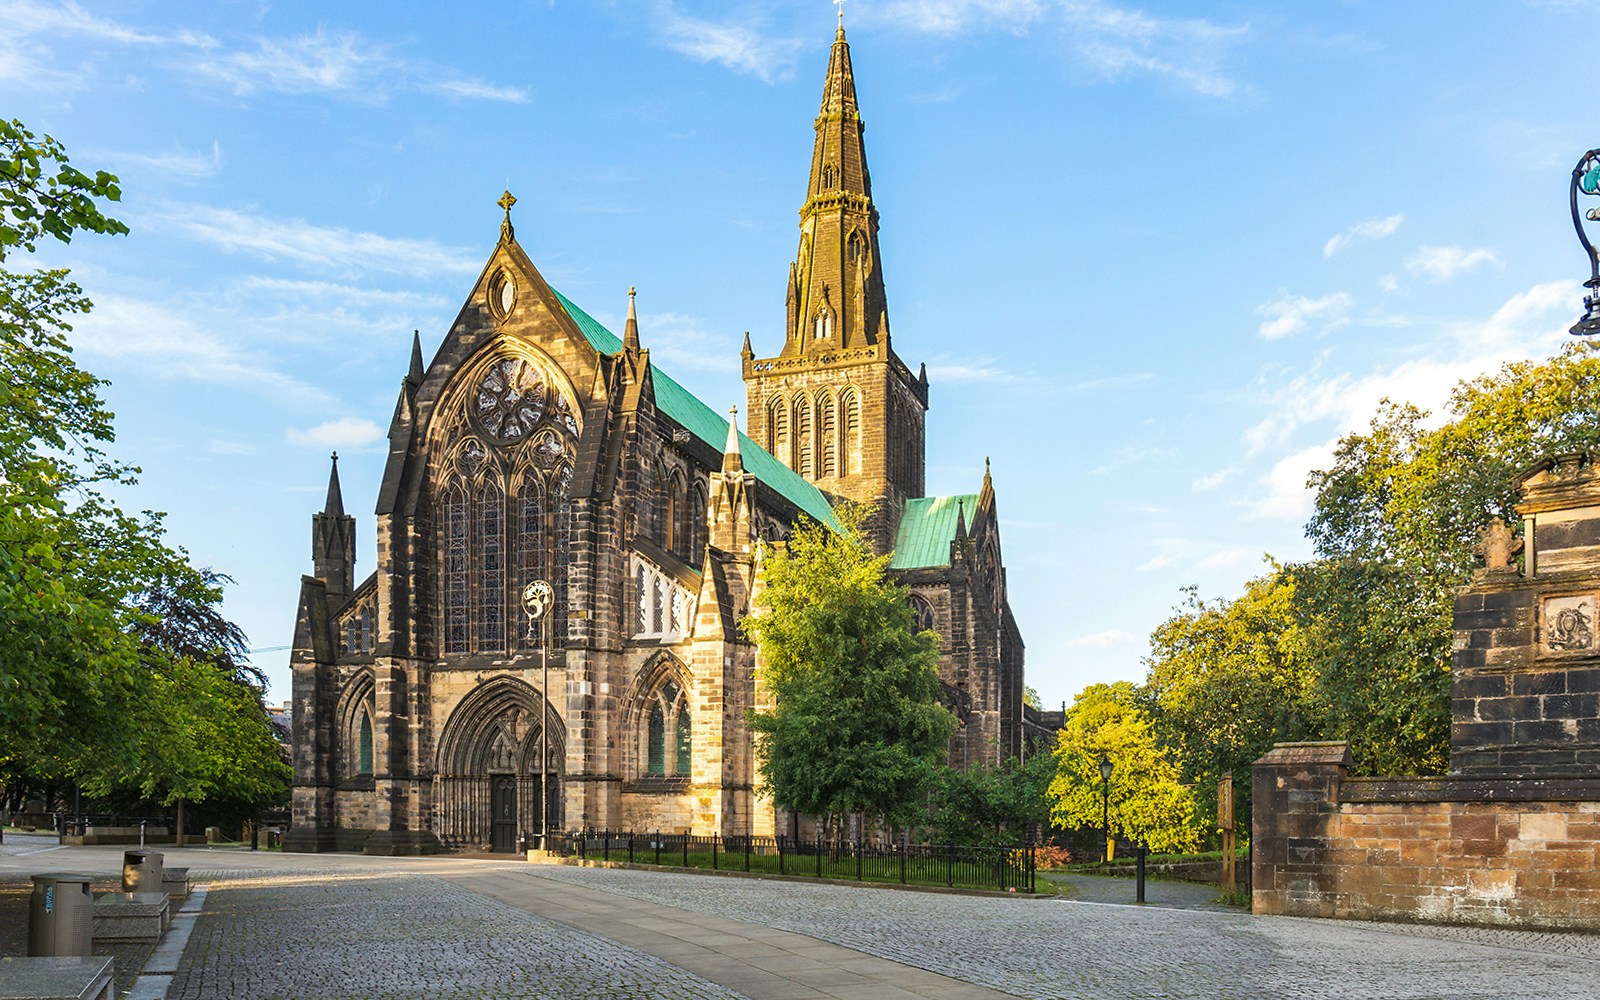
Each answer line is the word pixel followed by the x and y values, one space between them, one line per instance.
pixel 1586 178
pixel 1105 807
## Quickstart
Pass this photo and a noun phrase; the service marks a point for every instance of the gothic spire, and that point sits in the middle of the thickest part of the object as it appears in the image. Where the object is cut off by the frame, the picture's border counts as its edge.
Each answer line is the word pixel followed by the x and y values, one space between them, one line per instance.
pixel 416 358
pixel 334 506
pixel 630 332
pixel 836 295
pixel 732 460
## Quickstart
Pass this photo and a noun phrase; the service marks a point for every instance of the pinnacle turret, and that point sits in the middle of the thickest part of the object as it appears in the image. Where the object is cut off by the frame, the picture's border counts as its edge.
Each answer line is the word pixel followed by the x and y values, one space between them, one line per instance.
pixel 334 505
pixel 630 332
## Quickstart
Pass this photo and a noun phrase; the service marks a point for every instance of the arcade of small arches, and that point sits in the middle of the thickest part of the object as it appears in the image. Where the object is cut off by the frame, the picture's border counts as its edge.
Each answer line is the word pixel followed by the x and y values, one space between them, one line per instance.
pixel 817 435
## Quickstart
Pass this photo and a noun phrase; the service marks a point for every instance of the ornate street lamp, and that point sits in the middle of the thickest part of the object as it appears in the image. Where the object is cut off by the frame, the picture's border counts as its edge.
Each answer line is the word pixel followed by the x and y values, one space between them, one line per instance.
pixel 537 597
pixel 1105 807
pixel 1586 178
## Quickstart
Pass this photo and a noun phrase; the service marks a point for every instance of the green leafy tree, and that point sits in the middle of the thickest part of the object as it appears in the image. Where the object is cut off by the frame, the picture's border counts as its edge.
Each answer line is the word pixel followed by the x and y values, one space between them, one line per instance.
pixel 1148 802
pixel 993 805
pixel 114 662
pixel 1226 680
pixel 856 724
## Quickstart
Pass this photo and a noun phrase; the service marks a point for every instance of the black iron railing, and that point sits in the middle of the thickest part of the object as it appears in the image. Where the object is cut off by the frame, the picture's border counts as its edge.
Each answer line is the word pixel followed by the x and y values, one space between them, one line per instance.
pixel 952 866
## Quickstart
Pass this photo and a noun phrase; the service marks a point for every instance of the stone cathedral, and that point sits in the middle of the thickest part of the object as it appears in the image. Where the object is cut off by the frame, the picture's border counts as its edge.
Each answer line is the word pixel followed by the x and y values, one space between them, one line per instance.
pixel 432 710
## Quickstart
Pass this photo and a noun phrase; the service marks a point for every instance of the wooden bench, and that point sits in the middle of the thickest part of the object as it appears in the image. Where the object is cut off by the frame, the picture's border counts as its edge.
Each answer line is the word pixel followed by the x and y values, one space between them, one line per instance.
pixel 80 978
pixel 132 916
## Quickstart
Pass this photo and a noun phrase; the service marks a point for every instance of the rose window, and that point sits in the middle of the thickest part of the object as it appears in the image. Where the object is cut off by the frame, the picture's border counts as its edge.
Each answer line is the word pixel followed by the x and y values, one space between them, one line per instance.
pixel 511 399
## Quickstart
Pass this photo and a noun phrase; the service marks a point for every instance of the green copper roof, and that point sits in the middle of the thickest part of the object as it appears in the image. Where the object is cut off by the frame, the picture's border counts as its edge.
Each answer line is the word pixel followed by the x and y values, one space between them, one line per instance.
pixel 702 421
pixel 927 528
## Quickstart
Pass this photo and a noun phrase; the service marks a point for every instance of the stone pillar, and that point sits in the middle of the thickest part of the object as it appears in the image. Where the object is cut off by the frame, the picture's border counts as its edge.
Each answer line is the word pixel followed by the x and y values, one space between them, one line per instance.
pixel 1296 798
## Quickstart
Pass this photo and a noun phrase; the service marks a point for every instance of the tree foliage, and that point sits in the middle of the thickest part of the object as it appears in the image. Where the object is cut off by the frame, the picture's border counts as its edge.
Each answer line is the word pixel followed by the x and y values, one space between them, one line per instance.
pixel 109 639
pixel 1149 804
pixel 856 724
pixel 993 805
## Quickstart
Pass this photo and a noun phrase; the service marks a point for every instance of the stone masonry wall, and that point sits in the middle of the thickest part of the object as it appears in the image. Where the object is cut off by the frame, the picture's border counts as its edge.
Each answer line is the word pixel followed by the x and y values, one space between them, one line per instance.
pixel 1475 850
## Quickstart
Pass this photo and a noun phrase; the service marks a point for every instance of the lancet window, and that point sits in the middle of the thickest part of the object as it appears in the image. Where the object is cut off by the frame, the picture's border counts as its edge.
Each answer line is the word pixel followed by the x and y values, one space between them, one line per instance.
pixel 697 524
pixel 778 426
pixel 850 404
pixel 364 745
pixel 668 735
pixel 826 435
pixel 802 434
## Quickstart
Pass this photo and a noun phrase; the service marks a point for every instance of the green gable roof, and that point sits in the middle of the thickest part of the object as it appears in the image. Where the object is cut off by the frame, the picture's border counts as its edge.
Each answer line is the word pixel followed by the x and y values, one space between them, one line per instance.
pixel 927 528
pixel 702 421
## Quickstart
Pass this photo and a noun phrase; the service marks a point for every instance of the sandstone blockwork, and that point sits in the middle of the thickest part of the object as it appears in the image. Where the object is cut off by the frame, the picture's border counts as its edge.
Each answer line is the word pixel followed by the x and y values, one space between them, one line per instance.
pixel 446 701
pixel 1512 835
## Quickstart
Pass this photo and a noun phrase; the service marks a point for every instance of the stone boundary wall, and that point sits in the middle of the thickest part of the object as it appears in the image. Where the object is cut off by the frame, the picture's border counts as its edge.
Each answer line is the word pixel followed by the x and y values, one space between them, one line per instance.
pixel 1488 850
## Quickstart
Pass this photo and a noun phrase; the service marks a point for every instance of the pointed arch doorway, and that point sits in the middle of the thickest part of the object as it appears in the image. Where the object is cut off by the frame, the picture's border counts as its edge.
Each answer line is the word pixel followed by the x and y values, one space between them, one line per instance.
pixel 490 770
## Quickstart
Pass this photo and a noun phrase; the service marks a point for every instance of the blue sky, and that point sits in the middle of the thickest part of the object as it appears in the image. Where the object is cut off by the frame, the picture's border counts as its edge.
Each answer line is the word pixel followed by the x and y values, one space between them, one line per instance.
pixel 1157 257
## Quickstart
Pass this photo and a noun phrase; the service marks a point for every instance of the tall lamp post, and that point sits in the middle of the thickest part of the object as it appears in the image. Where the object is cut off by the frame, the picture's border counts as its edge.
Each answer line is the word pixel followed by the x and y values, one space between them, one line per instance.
pixel 1105 807
pixel 1586 179
pixel 537 598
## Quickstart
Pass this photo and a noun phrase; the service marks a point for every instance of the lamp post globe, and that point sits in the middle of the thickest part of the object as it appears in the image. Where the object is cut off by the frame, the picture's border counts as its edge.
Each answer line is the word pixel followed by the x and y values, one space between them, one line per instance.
pixel 1586 180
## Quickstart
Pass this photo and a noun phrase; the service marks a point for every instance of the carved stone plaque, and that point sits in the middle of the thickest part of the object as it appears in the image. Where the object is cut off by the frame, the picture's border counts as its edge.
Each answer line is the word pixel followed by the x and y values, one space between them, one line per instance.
pixel 1568 623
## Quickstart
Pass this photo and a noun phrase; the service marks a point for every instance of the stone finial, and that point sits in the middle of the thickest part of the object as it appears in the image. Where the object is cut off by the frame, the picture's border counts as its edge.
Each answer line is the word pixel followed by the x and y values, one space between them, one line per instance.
pixel 506 201
pixel 1497 548
pixel 630 331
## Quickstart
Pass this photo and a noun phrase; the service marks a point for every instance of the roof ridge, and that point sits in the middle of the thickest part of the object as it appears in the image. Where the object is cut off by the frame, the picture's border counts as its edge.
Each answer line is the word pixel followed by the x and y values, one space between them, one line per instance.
pixel 704 423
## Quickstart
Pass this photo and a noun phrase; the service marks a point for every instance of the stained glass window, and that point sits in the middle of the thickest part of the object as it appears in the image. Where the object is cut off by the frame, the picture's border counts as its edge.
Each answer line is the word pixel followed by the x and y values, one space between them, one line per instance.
pixel 456 561
pixel 685 754
pixel 656 758
pixel 673 539
pixel 364 744
pixel 366 629
pixel 491 566
pixel 530 541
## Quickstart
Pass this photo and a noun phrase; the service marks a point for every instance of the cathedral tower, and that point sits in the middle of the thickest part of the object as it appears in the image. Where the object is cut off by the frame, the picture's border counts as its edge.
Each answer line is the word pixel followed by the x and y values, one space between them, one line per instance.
pixel 837 405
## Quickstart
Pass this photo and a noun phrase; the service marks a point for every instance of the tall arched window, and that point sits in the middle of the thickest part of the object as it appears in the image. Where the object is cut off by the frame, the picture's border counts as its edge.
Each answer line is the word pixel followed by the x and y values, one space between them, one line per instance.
pixel 668 736
pixel 561 487
pixel 830 176
pixel 802 434
pixel 850 403
pixel 656 753
pixel 491 567
pixel 685 742
pixel 364 745
pixel 827 437
pixel 697 523
pixel 366 629
pixel 674 539
pixel 456 562
pixel 779 422
pixel 531 539
pixel 858 246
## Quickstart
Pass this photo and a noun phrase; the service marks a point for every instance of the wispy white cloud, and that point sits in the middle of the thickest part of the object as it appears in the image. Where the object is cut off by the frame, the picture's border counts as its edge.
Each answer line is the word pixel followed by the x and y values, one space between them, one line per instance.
pixel 302 243
pixel 1291 313
pixel 178 161
pixel 1529 324
pixel 1214 480
pixel 741 47
pixel 346 432
pixel 477 89
pixel 171 344
pixel 320 63
pixel 1111 40
pixel 1444 263
pixel 1369 229
pixel 26 18
pixel 1099 640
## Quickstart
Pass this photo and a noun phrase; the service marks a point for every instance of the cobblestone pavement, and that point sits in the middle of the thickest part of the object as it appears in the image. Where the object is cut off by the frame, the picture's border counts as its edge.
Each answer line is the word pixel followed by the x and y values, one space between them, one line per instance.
pixel 1057 948
pixel 343 933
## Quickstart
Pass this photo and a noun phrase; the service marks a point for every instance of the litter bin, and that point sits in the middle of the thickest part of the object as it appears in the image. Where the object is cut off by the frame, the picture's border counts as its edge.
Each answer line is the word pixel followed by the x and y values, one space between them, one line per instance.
pixel 61 916
pixel 142 871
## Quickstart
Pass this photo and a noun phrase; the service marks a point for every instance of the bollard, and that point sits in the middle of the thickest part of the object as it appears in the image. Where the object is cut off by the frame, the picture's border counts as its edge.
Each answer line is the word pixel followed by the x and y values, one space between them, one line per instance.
pixel 1139 855
pixel 141 832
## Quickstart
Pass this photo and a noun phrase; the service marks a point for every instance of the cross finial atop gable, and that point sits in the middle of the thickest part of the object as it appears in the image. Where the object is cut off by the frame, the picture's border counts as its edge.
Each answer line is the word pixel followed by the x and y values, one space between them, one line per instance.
pixel 506 201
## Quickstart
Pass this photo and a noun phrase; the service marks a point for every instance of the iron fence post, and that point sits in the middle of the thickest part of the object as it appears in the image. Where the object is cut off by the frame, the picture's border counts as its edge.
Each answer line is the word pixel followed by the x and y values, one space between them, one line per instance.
pixel 658 848
pixel 713 850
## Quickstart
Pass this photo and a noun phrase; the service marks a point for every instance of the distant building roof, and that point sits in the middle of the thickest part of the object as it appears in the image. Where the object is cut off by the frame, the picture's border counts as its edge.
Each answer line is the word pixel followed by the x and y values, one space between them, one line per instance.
pixel 927 528
pixel 700 420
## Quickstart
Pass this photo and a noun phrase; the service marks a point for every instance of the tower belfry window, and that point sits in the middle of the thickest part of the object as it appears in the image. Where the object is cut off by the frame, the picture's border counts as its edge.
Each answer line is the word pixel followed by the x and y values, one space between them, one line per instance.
pixel 824 330
pixel 830 177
